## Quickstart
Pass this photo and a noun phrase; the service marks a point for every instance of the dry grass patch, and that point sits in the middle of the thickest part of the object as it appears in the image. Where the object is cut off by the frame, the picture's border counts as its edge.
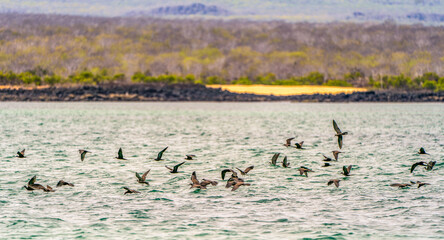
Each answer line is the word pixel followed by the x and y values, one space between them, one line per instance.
pixel 287 90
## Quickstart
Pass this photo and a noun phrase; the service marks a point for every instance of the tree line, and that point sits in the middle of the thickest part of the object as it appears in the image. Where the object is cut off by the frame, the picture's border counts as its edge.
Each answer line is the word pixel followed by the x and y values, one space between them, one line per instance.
pixel 39 76
pixel 214 51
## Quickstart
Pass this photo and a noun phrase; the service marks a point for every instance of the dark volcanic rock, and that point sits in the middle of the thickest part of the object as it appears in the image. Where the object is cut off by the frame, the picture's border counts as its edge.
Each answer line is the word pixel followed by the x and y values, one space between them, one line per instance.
pixel 192 92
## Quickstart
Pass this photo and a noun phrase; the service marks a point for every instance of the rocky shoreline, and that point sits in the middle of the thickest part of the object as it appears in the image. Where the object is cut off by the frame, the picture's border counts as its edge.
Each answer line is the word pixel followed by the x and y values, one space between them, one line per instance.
pixel 191 92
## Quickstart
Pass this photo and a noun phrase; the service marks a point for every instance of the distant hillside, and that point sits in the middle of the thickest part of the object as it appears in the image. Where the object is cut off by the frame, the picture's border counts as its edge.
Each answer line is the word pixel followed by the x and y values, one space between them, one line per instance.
pixel 192 9
pixel 430 12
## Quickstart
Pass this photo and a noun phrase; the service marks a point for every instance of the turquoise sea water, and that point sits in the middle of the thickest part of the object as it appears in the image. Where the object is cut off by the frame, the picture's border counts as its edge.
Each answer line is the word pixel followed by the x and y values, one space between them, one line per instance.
pixel 382 144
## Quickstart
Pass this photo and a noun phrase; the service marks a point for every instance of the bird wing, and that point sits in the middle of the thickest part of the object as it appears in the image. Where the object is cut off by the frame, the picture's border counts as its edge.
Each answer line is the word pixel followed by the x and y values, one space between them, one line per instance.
pixel 289 141
pixel 194 178
pixel 168 168
pixel 159 155
pixel 126 188
pixel 214 183
pixel 230 183
pixel 336 183
pixel 249 169
pixel 284 162
pixel 414 166
pixel 144 175
pixel 274 158
pixel 177 166
pixel 336 154
pixel 21 154
pixel 82 155
pixel 60 183
pixel 340 141
pixel 349 168
pixel 335 126
pixel 396 185
pixel 237 185
pixel 48 188
pixel 32 180
pixel 120 153
pixel 138 177
pixel 430 165
pixel 225 172
pixel 299 145
pixel 242 172
pixel 344 168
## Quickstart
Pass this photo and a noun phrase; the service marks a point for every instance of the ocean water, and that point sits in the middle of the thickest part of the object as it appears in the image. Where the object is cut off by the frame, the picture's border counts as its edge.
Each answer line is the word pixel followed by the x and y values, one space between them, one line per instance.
pixel 382 144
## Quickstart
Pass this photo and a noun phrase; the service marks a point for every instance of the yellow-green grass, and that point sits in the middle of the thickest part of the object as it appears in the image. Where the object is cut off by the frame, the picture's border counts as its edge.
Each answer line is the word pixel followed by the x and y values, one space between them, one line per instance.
pixel 280 90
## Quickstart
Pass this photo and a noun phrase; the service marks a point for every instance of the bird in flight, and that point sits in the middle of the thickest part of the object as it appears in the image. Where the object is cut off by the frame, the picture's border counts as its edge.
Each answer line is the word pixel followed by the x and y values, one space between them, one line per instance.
pixel 142 179
pixel 159 155
pixel 63 183
pixel 246 170
pixel 335 181
pixel 346 170
pixel 21 154
pixel 130 191
pixel 120 155
pixel 83 154
pixel 299 145
pixel 288 142
pixel 422 151
pixel 285 163
pixel 339 134
pixel 174 169
pixel 420 184
pixel 274 159
pixel 189 156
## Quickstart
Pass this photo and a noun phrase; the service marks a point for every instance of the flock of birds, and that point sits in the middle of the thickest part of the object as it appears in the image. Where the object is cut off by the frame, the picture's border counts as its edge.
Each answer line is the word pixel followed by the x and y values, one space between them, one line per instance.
pixel 235 181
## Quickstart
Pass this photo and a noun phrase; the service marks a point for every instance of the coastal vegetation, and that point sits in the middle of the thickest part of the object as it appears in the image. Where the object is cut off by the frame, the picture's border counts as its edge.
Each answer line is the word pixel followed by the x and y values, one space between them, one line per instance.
pixel 56 49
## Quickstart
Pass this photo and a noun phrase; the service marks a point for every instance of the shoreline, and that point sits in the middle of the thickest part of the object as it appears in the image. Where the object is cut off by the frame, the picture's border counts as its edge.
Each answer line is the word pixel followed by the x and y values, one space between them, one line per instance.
pixel 194 92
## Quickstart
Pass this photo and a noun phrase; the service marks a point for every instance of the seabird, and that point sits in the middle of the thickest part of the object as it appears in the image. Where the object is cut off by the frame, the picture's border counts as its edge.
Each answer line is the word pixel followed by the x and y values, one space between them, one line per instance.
pixel 236 182
pixel 346 170
pixel 48 189
pixel 422 151
pixel 339 134
pixel 190 157
pixel 174 169
pixel 299 145
pixel 326 159
pixel 420 184
pixel 285 163
pixel 82 154
pixel 195 183
pixel 34 186
pixel 274 159
pixel 143 178
pixel 120 155
pixel 304 170
pixel 62 183
pixel 201 185
pixel 430 165
pixel 422 163
pixel 130 190
pixel 400 185
pixel 246 170
pixel 326 165
pixel 21 154
pixel 159 155
pixel 336 154
pixel 205 182
pixel 335 181
pixel 288 142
